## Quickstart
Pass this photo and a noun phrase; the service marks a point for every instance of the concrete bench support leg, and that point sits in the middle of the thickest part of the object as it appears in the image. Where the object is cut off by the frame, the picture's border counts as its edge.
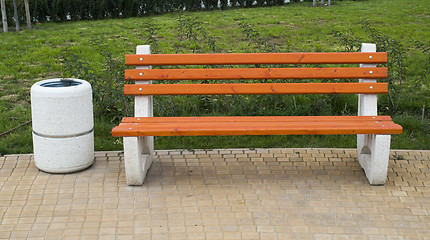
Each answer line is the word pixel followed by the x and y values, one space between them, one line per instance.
pixel 137 158
pixel 373 156
pixel 138 151
pixel 373 150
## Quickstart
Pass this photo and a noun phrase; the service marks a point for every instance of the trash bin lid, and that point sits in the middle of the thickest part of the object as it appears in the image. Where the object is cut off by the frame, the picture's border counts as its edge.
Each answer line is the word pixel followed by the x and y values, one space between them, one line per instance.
pixel 64 82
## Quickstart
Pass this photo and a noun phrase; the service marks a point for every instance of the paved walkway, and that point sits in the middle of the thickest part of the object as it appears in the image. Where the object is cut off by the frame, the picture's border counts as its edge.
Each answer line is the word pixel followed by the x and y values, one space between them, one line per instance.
pixel 219 194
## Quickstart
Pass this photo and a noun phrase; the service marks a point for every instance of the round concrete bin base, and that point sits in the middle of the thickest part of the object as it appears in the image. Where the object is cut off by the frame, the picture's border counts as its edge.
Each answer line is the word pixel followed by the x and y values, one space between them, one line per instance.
pixel 63 155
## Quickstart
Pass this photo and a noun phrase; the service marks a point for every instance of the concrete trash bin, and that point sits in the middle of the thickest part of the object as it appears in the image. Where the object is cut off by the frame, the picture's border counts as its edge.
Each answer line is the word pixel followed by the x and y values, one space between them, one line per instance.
pixel 63 127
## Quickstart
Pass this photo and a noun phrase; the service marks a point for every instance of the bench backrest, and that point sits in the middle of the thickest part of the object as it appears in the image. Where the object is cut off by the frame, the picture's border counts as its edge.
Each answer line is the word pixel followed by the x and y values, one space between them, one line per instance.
pixel 367 72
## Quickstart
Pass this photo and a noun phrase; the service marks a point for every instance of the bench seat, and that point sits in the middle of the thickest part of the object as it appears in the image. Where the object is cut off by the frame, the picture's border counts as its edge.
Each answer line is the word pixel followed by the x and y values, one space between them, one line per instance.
pixel 255 125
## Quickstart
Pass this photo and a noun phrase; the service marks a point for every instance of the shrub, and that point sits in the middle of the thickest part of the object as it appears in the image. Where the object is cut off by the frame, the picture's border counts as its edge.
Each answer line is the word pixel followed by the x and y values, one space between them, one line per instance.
pixel 108 94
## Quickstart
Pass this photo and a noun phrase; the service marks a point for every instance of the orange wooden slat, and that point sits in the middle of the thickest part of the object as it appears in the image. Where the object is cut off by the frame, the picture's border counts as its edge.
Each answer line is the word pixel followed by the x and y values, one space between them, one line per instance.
pixel 255 73
pixel 256 128
pixel 255 88
pixel 333 129
pixel 256 58
pixel 256 119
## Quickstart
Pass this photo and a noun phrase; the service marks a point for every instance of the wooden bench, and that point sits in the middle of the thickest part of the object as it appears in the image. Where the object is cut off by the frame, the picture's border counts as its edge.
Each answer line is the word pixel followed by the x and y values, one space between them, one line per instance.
pixel 373 132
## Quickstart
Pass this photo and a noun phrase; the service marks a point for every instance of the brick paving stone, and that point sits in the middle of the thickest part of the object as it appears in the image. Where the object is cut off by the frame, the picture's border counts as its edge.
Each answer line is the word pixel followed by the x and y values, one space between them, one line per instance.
pixel 219 194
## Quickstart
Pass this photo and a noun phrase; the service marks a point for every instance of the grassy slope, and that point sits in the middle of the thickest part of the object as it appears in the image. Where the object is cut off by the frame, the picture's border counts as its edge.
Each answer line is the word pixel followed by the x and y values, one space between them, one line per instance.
pixel 32 55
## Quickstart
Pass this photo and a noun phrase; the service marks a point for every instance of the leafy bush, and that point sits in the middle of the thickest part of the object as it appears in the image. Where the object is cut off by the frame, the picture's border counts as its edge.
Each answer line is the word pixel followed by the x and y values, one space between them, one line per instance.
pixel 261 43
pixel 191 35
pixel 62 10
pixel 396 64
pixel 108 94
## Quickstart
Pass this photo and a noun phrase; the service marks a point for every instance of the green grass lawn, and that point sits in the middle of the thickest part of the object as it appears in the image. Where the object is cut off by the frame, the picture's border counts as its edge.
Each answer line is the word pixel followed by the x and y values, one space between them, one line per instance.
pixel 33 55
